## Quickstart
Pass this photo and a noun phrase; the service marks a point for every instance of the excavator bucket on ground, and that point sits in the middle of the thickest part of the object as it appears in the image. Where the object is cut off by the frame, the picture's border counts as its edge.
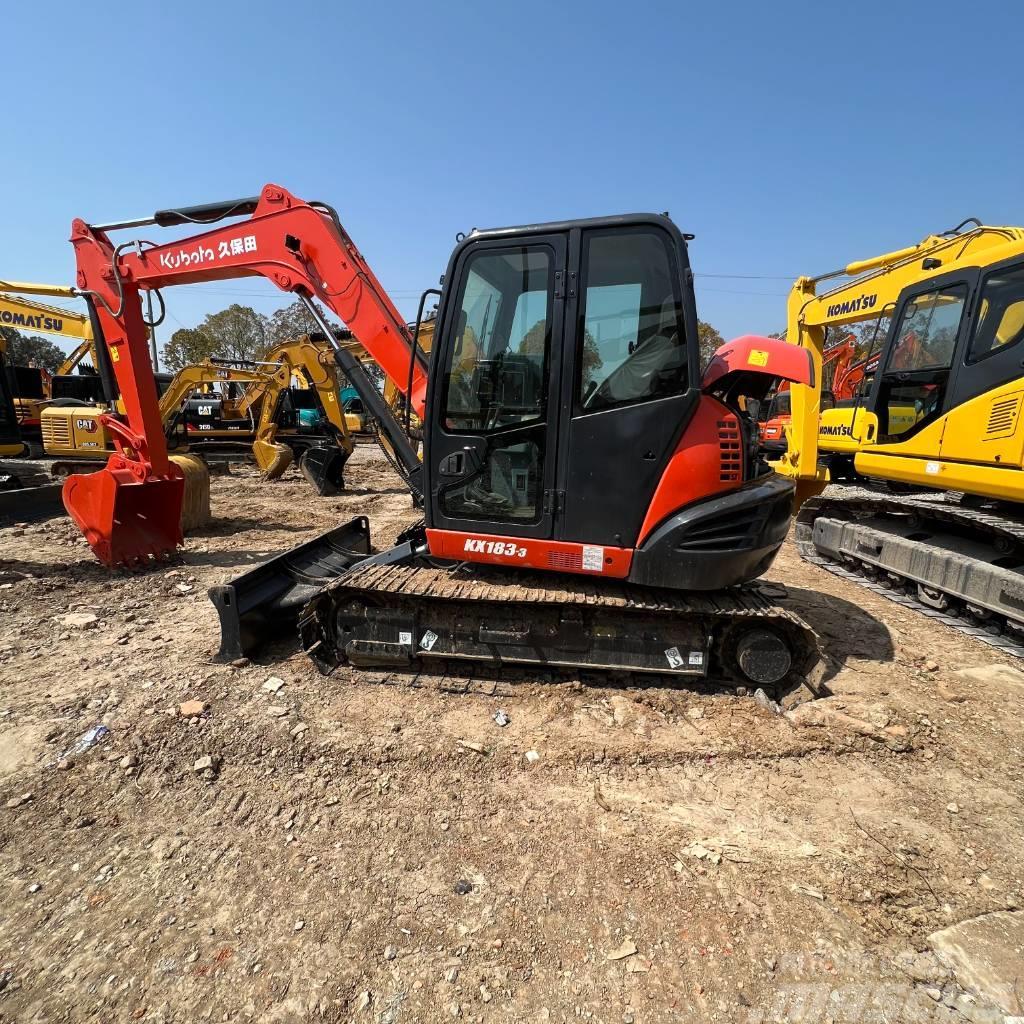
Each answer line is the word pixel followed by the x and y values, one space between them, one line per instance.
pixel 273 459
pixel 127 522
pixel 195 506
pixel 130 521
pixel 323 465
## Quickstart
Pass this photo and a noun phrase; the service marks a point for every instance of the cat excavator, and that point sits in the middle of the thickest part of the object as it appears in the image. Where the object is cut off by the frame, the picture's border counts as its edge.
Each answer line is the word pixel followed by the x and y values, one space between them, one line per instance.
pixel 942 415
pixel 591 500
pixel 76 436
pixel 321 458
pixel 33 387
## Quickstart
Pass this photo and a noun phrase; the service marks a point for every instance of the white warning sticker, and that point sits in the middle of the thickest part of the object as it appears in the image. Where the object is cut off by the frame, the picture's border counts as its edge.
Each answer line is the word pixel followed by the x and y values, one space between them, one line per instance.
pixel 696 657
pixel 675 659
pixel 932 468
pixel 593 558
pixel 428 640
pixel 405 638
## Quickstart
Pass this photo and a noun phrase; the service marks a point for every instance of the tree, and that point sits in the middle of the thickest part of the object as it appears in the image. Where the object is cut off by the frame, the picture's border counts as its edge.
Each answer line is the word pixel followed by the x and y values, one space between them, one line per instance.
pixel 292 322
pixel 236 333
pixel 239 332
pixel 709 340
pixel 187 346
pixel 533 345
pixel 32 350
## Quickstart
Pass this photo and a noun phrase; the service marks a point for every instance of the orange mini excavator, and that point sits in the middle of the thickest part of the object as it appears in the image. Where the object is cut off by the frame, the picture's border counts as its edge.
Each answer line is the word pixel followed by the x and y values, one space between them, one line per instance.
pixel 590 499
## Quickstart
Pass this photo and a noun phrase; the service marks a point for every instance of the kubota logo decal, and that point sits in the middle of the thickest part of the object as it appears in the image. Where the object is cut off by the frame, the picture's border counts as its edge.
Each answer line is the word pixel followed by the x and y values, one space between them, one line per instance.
pixel 494 547
pixel 200 254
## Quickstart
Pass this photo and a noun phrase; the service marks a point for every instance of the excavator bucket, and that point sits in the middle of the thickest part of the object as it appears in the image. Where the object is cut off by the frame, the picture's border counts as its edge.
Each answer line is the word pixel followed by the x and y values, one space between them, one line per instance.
pixel 195 506
pixel 273 459
pixel 323 466
pixel 127 522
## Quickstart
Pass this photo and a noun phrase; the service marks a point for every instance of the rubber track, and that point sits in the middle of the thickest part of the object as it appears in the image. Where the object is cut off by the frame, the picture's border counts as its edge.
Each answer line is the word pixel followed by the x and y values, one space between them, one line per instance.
pixel 857 503
pixel 469 582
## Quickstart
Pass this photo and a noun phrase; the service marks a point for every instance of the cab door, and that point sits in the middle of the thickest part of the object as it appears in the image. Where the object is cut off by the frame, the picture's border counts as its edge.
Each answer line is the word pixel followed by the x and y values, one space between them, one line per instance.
pixel 491 448
pixel 913 389
pixel 634 382
pixel 987 393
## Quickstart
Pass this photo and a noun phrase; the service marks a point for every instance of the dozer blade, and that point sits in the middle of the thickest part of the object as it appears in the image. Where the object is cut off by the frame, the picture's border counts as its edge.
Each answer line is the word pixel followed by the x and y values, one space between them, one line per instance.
pixel 127 522
pixel 324 467
pixel 272 459
pixel 267 600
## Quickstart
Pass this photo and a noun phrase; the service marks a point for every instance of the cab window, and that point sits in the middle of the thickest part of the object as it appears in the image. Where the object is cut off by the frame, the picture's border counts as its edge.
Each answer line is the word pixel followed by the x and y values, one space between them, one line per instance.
pixel 1000 322
pixel 927 331
pixel 496 371
pixel 632 340
pixel 916 378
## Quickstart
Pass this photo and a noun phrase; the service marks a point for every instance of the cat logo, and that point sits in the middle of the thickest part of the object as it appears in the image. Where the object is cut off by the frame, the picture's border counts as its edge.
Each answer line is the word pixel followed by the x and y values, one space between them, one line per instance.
pixel 89 426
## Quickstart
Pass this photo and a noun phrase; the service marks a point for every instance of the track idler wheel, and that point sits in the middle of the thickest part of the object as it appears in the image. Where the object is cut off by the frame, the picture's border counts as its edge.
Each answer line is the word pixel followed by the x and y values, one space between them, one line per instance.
pixel 324 467
pixel 763 656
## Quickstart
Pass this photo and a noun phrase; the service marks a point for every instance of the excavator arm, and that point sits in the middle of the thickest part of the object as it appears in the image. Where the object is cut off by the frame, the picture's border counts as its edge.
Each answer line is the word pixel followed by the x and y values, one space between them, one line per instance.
pixel 27 314
pixel 301 248
pixel 322 465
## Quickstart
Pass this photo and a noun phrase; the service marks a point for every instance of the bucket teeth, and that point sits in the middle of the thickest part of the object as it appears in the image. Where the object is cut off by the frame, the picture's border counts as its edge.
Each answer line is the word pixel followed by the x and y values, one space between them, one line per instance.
pixel 126 521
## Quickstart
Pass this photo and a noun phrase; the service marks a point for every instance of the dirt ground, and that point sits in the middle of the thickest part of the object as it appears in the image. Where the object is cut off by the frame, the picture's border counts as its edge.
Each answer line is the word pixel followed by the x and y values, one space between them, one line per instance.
pixel 614 854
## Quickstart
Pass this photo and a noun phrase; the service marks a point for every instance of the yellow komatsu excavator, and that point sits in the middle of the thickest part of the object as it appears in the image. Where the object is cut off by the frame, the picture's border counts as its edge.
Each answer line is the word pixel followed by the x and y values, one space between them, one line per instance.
pixel 943 414
pixel 33 388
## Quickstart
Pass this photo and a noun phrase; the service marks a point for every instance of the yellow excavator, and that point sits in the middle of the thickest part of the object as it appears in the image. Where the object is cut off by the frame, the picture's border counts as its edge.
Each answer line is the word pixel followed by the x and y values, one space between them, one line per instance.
pixel 199 420
pixel 11 444
pixel 33 388
pixel 942 414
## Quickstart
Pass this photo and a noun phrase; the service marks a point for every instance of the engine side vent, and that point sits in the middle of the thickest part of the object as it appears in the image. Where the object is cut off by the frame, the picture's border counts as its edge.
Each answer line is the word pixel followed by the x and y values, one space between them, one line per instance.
pixel 56 431
pixel 730 448
pixel 1002 417
pixel 570 561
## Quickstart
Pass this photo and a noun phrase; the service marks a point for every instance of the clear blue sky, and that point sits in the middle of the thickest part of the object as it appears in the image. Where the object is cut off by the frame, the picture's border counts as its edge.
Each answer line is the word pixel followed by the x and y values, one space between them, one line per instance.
pixel 790 138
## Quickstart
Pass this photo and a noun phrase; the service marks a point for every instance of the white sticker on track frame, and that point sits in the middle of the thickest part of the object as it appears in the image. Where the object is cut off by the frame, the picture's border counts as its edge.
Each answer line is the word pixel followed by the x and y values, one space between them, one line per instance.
pixel 696 657
pixel 932 468
pixel 405 638
pixel 593 558
pixel 674 658
pixel 428 640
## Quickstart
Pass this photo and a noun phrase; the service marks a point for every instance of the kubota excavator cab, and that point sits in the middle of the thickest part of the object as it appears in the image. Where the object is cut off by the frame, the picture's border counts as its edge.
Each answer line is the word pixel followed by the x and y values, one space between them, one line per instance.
pixel 567 410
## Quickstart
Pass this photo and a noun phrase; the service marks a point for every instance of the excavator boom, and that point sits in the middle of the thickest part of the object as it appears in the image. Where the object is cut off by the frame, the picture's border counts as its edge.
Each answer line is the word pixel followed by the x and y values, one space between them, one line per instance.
pixel 299 247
